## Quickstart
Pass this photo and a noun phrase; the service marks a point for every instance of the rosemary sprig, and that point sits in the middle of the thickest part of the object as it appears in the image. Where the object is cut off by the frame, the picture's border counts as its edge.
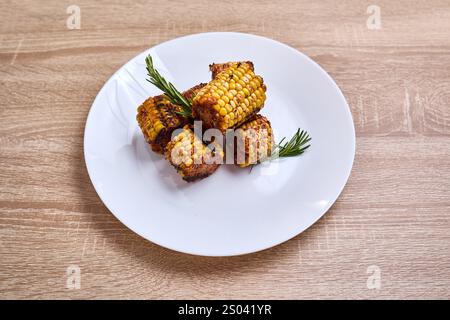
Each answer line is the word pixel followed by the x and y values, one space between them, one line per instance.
pixel 168 88
pixel 294 147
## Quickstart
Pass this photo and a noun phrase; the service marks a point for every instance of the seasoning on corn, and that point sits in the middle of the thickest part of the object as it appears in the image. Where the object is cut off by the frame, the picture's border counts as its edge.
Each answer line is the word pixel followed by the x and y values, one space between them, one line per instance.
pixel 158 118
pixel 191 158
pixel 231 98
pixel 217 68
pixel 254 141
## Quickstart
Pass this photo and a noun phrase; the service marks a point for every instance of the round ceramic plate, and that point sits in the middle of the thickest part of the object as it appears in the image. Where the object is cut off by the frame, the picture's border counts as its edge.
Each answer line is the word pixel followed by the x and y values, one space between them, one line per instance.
pixel 234 211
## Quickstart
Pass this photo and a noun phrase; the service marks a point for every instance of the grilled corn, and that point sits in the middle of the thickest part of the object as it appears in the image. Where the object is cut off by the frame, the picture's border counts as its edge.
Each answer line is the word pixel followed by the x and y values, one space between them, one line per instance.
pixel 254 141
pixel 191 158
pixel 158 118
pixel 231 98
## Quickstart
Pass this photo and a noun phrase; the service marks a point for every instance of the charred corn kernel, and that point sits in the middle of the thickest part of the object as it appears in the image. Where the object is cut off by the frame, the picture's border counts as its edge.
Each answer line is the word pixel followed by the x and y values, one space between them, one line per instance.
pixel 158 118
pixel 191 158
pixel 232 87
pixel 254 141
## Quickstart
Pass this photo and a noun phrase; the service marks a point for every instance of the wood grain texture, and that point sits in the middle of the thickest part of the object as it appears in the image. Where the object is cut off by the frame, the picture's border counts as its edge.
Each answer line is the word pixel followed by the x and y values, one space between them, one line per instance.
pixel 394 212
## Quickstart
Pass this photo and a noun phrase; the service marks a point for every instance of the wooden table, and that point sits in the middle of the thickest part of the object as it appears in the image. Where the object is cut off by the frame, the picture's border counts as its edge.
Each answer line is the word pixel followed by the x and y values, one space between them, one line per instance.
pixel 388 235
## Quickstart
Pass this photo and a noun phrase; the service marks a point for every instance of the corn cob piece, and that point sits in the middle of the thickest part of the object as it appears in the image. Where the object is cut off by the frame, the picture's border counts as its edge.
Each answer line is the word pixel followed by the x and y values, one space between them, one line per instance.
pixel 158 118
pixel 231 98
pixel 254 141
pixel 191 158
pixel 217 68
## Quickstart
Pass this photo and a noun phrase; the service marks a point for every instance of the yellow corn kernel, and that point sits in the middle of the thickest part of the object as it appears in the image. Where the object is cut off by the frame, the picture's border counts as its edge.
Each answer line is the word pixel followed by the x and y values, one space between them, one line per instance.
pixel 216 95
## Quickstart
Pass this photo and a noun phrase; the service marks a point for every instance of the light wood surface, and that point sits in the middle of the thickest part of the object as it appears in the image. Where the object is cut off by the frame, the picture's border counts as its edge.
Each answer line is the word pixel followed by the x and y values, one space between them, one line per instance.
pixel 393 214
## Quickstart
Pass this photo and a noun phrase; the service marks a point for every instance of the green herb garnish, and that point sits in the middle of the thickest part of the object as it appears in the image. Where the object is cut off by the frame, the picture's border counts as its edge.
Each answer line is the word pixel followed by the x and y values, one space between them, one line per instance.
pixel 168 88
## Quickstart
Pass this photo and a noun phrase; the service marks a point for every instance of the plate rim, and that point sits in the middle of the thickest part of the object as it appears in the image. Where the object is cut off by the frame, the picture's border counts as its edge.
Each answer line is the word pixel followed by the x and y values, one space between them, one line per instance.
pixel 219 33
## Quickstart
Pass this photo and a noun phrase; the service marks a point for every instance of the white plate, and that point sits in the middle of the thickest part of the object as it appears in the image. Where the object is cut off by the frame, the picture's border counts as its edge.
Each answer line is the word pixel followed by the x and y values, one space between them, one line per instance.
pixel 234 211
